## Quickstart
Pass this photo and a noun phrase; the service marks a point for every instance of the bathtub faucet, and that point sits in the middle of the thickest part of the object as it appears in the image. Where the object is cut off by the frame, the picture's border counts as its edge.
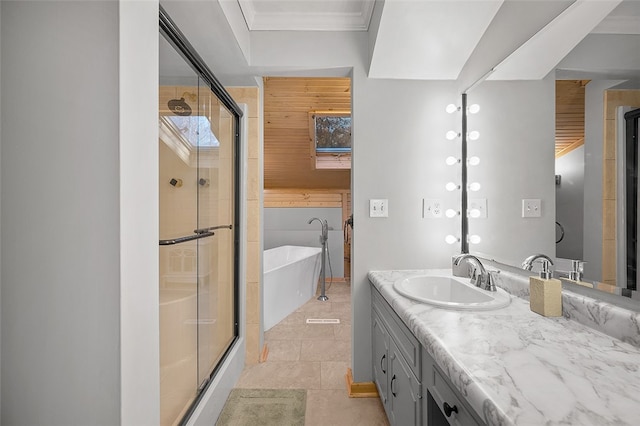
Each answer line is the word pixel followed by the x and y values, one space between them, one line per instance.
pixel 324 236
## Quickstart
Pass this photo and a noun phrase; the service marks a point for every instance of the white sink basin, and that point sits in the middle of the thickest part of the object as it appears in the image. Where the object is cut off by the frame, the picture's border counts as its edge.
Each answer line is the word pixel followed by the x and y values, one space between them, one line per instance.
pixel 450 292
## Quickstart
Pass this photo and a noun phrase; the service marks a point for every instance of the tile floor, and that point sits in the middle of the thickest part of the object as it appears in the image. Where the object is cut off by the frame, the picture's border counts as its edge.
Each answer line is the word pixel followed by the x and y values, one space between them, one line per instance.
pixel 316 357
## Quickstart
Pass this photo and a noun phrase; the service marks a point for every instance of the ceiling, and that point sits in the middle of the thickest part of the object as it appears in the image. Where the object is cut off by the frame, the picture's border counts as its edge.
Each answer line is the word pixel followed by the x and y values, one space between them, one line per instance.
pixel 464 40
pixel 307 15
pixel 355 15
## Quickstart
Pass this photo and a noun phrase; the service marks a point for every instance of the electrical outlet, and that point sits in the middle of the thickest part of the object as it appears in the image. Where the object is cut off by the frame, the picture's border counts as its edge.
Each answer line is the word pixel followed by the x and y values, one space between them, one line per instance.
pixel 531 207
pixel 378 208
pixel 477 208
pixel 432 209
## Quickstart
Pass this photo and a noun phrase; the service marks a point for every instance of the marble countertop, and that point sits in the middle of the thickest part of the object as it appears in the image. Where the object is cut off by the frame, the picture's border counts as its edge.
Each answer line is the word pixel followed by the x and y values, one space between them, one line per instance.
pixel 516 367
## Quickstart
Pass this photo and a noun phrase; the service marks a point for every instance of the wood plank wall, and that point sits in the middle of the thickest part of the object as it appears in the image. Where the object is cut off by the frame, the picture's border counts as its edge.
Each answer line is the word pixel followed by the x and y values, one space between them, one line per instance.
pixel 287 145
pixel 569 115
pixel 290 179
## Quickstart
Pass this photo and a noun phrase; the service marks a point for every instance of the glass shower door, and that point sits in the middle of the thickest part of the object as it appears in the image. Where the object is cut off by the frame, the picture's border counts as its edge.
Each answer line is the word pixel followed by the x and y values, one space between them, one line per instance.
pixel 216 213
pixel 178 174
pixel 199 196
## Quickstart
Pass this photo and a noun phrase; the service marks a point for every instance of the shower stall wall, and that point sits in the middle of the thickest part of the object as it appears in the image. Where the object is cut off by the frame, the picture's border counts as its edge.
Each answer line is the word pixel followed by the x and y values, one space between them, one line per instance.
pixel 199 181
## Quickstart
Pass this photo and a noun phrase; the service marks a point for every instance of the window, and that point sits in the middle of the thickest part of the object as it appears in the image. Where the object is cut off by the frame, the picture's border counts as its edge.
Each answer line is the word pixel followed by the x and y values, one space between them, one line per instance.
pixel 330 135
pixel 195 129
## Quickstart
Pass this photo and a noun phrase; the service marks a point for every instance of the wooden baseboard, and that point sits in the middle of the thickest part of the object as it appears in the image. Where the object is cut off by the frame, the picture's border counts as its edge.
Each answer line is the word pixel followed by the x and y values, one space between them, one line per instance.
pixel 264 354
pixel 360 390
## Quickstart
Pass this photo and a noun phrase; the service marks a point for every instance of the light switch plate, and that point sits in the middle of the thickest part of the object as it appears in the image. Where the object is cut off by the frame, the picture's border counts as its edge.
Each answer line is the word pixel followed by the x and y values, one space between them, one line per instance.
pixel 531 207
pixel 378 208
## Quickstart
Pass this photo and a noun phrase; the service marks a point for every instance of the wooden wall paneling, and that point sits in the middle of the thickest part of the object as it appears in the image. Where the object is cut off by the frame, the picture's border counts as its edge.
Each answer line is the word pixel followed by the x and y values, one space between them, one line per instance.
pixel 302 198
pixel 570 95
pixel 287 151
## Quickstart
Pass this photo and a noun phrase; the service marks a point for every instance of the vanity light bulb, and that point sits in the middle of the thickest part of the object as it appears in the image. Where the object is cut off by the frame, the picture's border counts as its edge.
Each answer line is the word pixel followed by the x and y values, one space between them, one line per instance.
pixel 451 186
pixel 473 161
pixel 450 213
pixel 474 213
pixel 451 108
pixel 475 239
pixel 451 135
pixel 474 135
pixel 473 109
pixel 451 161
pixel 450 239
pixel 474 186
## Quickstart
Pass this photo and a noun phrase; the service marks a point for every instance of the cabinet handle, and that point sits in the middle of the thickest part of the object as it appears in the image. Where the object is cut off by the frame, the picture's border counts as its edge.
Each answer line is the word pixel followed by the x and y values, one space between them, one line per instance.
pixel 449 409
pixel 381 367
pixel 393 379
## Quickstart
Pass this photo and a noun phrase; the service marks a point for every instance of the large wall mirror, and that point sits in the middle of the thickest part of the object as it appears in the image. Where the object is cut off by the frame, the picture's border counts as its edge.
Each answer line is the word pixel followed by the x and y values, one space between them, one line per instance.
pixel 555 174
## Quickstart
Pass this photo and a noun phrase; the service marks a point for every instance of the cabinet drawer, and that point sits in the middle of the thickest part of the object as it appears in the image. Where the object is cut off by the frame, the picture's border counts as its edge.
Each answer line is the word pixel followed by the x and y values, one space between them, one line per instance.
pixel 442 393
pixel 407 343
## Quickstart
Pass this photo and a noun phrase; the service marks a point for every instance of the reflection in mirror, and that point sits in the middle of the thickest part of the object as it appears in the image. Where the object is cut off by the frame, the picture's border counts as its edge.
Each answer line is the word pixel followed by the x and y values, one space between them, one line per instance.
pixel 560 140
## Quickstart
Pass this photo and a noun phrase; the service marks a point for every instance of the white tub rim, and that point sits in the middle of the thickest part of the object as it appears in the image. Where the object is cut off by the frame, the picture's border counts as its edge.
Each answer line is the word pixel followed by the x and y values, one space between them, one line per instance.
pixel 311 251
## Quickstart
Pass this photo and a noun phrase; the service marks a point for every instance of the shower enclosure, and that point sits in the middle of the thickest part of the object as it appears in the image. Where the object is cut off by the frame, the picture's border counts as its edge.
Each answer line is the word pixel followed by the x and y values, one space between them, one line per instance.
pixel 199 215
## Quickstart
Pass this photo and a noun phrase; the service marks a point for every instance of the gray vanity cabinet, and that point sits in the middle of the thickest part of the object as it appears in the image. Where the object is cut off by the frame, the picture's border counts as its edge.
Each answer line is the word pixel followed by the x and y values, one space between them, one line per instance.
pixel 380 357
pixel 404 391
pixel 412 388
pixel 396 366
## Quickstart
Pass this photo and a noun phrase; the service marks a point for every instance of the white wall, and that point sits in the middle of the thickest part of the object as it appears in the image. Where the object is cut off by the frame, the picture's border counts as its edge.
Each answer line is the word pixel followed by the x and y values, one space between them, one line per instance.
pixel 516 149
pixel 79 244
pixel 138 213
pixel 570 204
pixel 602 54
pixel 288 226
pixel 399 150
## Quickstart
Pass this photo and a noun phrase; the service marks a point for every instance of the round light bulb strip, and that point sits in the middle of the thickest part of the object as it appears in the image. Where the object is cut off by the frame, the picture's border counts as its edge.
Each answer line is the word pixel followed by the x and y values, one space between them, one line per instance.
pixel 473 135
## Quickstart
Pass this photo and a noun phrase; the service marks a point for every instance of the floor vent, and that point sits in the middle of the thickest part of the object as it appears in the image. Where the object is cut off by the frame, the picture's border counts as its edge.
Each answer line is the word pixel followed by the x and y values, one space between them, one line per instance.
pixel 323 321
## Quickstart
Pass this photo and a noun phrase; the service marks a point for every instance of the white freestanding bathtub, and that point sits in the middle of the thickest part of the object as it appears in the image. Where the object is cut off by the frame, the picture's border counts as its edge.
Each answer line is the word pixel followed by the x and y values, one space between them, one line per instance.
pixel 290 280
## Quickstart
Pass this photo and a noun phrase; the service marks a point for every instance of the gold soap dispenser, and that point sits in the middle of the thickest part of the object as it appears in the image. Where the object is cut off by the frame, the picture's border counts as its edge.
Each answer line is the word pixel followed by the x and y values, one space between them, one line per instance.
pixel 545 293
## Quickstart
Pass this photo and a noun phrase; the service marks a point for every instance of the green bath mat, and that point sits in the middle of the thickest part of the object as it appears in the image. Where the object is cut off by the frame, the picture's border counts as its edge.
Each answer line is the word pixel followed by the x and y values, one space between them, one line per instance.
pixel 264 407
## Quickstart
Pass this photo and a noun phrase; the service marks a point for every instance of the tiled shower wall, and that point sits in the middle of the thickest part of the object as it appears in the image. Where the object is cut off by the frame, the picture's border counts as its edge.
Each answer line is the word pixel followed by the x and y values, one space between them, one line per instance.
pixel 251 97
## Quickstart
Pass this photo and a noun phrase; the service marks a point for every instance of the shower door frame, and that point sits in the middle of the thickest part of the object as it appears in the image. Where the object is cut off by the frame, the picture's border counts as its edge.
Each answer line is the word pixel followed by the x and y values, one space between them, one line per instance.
pixel 631 200
pixel 177 39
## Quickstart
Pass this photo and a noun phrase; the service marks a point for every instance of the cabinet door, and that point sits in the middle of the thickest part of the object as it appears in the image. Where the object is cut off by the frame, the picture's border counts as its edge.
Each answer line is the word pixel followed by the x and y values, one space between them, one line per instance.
pixel 404 390
pixel 380 358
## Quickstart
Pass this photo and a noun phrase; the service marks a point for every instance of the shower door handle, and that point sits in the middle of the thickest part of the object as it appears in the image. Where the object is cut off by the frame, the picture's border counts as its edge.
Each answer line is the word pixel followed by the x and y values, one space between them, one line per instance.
pixel 212 228
pixel 185 239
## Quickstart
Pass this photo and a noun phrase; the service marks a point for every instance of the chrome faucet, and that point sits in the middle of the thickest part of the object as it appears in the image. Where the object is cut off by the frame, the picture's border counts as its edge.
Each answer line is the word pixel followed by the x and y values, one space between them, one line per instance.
pixel 324 232
pixel 527 264
pixel 576 272
pixel 479 277
pixel 577 269
pixel 324 236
